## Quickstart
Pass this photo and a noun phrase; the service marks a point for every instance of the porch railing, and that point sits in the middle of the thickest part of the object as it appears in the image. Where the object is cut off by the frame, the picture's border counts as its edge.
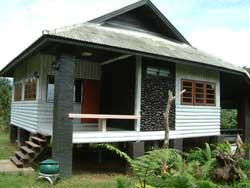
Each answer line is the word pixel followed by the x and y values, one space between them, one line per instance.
pixel 230 134
pixel 102 118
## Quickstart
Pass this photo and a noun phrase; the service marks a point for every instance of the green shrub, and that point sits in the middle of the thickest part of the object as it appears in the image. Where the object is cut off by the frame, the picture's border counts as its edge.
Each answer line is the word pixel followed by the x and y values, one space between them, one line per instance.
pixel 205 184
pixel 224 147
pixel 245 166
pixel 196 155
pixel 123 182
pixel 243 184
pixel 152 165
pixel 171 182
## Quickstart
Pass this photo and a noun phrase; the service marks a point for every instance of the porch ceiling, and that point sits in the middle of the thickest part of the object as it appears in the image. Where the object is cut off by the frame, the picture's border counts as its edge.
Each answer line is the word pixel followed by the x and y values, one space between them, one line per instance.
pixel 82 52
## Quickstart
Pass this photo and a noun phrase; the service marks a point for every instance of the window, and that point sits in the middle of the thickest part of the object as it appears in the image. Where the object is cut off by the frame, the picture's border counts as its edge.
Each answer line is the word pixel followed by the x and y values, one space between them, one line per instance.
pixel 50 89
pixel 198 93
pixel 158 71
pixel 18 92
pixel 30 89
pixel 77 90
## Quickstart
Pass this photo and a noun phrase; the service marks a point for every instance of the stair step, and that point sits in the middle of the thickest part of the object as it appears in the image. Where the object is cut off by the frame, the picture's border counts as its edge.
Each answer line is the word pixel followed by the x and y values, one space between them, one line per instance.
pixel 40 140
pixel 42 135
pixel 27 150
pixel 16 162
pixel 21 155
pixel 33 145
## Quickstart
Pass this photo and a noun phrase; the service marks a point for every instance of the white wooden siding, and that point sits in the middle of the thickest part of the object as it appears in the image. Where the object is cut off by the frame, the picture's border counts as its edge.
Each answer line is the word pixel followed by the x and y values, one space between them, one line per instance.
pixel 38 115
pixel 45 118
pixel 84 70
pixel 24 114
pixel 197 120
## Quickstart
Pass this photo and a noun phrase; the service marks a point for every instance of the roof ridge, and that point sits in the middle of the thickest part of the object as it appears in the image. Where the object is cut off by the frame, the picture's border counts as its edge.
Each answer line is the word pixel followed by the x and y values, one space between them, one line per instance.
pixel 66 28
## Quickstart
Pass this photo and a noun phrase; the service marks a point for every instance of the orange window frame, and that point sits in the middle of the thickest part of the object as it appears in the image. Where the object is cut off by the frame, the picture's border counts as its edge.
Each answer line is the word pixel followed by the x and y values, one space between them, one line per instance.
pixel 18 92
pixel 30 89
pixel 187 87
pixel 205 93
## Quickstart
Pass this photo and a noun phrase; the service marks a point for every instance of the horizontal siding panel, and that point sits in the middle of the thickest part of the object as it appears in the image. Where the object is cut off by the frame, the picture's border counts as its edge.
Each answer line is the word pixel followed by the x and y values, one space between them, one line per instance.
pixel 24 114
pixel 197 107
pixel 25 111
pixel 207 118
pixel 210 127
pixel 198 110
pixel 27 121
pixel 45 117
pixel 188 113
pixel 27 115
pixel 197 121
pixel 194 124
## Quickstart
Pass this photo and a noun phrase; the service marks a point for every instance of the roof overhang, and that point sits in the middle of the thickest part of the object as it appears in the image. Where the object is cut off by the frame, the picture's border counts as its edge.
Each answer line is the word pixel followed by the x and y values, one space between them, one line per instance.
pixel 42 41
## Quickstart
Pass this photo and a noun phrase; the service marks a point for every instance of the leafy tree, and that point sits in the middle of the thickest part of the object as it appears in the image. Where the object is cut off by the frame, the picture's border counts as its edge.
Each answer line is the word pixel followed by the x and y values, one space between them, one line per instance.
pixel 5 101
pixel 228 118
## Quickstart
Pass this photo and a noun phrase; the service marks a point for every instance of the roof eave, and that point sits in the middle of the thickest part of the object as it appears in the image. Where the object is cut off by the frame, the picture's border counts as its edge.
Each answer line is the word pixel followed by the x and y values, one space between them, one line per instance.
pixel 28 51
pixel 51 38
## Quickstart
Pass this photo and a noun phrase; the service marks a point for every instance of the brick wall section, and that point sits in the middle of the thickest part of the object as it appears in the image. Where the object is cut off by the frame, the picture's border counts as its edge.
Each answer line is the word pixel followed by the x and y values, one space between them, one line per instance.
pixel 63 105
pixel 154 96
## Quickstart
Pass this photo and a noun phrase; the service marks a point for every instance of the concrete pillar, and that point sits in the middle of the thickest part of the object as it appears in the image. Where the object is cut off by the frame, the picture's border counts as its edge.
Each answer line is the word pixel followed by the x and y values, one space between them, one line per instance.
pixel 13 133
pixel 23 136
pixel 178 144
pixel 216 139
pixel 135 149
pixel 63 105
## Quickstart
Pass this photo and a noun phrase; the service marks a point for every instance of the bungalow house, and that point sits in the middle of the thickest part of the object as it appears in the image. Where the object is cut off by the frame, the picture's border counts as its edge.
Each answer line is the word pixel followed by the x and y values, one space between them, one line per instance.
pixel 106 81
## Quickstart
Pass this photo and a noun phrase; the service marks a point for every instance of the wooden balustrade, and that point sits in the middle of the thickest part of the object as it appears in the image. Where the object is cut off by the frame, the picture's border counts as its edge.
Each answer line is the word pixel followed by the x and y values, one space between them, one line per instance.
pixel 102 118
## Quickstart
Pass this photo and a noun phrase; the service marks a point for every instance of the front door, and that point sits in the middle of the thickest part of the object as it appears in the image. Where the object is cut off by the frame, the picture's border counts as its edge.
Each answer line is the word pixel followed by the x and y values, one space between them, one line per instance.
pixel 91 99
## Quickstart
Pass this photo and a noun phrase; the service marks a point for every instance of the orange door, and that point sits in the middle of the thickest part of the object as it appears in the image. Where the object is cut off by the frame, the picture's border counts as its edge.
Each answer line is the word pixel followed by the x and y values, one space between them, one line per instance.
pixel 91 99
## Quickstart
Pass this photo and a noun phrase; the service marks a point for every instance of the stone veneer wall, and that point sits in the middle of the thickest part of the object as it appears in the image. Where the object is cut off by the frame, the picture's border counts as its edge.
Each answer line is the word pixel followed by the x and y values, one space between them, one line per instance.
pixel 154 96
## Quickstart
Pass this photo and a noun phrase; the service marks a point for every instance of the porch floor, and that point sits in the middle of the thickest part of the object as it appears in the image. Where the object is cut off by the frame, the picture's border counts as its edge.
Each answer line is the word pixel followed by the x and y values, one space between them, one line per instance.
pixel 127 136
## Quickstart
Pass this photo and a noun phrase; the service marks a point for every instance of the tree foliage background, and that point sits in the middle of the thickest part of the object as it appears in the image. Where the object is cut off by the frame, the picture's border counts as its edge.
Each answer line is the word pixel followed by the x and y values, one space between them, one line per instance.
pixel 229 118
pixel 5 101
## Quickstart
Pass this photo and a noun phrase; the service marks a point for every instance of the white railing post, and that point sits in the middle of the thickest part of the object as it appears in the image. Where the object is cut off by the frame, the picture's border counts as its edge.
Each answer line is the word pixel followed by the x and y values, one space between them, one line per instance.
pixel 138 78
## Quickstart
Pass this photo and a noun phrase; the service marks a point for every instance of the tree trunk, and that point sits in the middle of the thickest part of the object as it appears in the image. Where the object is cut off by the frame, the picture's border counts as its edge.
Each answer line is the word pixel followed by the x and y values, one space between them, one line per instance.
pixel 170 100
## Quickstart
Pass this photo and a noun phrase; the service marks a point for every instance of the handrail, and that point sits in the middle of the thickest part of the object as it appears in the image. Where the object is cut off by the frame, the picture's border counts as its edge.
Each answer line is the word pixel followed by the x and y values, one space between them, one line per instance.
pixel 228 130
pixel 102 116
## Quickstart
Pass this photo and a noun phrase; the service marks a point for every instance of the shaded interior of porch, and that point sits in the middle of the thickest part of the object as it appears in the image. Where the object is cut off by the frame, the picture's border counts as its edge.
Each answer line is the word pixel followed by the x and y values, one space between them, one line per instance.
pixel 235 97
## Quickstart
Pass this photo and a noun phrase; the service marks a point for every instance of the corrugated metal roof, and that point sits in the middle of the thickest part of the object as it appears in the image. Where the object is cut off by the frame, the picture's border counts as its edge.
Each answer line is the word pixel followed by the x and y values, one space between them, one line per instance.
pixel 141 42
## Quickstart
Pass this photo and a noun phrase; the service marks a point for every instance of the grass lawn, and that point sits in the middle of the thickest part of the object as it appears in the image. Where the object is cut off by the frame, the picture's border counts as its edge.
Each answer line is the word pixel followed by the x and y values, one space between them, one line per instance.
pixel 6 149
pixel 77 181
pixel 82 180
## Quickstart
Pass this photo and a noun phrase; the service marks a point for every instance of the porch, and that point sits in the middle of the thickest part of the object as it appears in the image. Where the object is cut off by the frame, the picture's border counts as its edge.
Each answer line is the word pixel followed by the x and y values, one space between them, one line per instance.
pixel 101 134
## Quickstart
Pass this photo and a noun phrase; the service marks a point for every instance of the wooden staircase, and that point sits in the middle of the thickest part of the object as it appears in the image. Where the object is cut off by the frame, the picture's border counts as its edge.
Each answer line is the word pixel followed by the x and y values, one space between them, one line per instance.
pixel 27 153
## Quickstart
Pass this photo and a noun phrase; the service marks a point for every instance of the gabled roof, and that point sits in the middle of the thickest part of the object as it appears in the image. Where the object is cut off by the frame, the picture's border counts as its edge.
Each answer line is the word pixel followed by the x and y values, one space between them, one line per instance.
pixel 145 9
pixel 96 33
pixel 140 42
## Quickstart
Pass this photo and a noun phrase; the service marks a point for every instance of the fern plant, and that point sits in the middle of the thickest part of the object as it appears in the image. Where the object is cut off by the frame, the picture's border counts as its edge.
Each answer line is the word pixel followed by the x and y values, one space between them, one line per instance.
pixel 157 163
pixel 116 150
